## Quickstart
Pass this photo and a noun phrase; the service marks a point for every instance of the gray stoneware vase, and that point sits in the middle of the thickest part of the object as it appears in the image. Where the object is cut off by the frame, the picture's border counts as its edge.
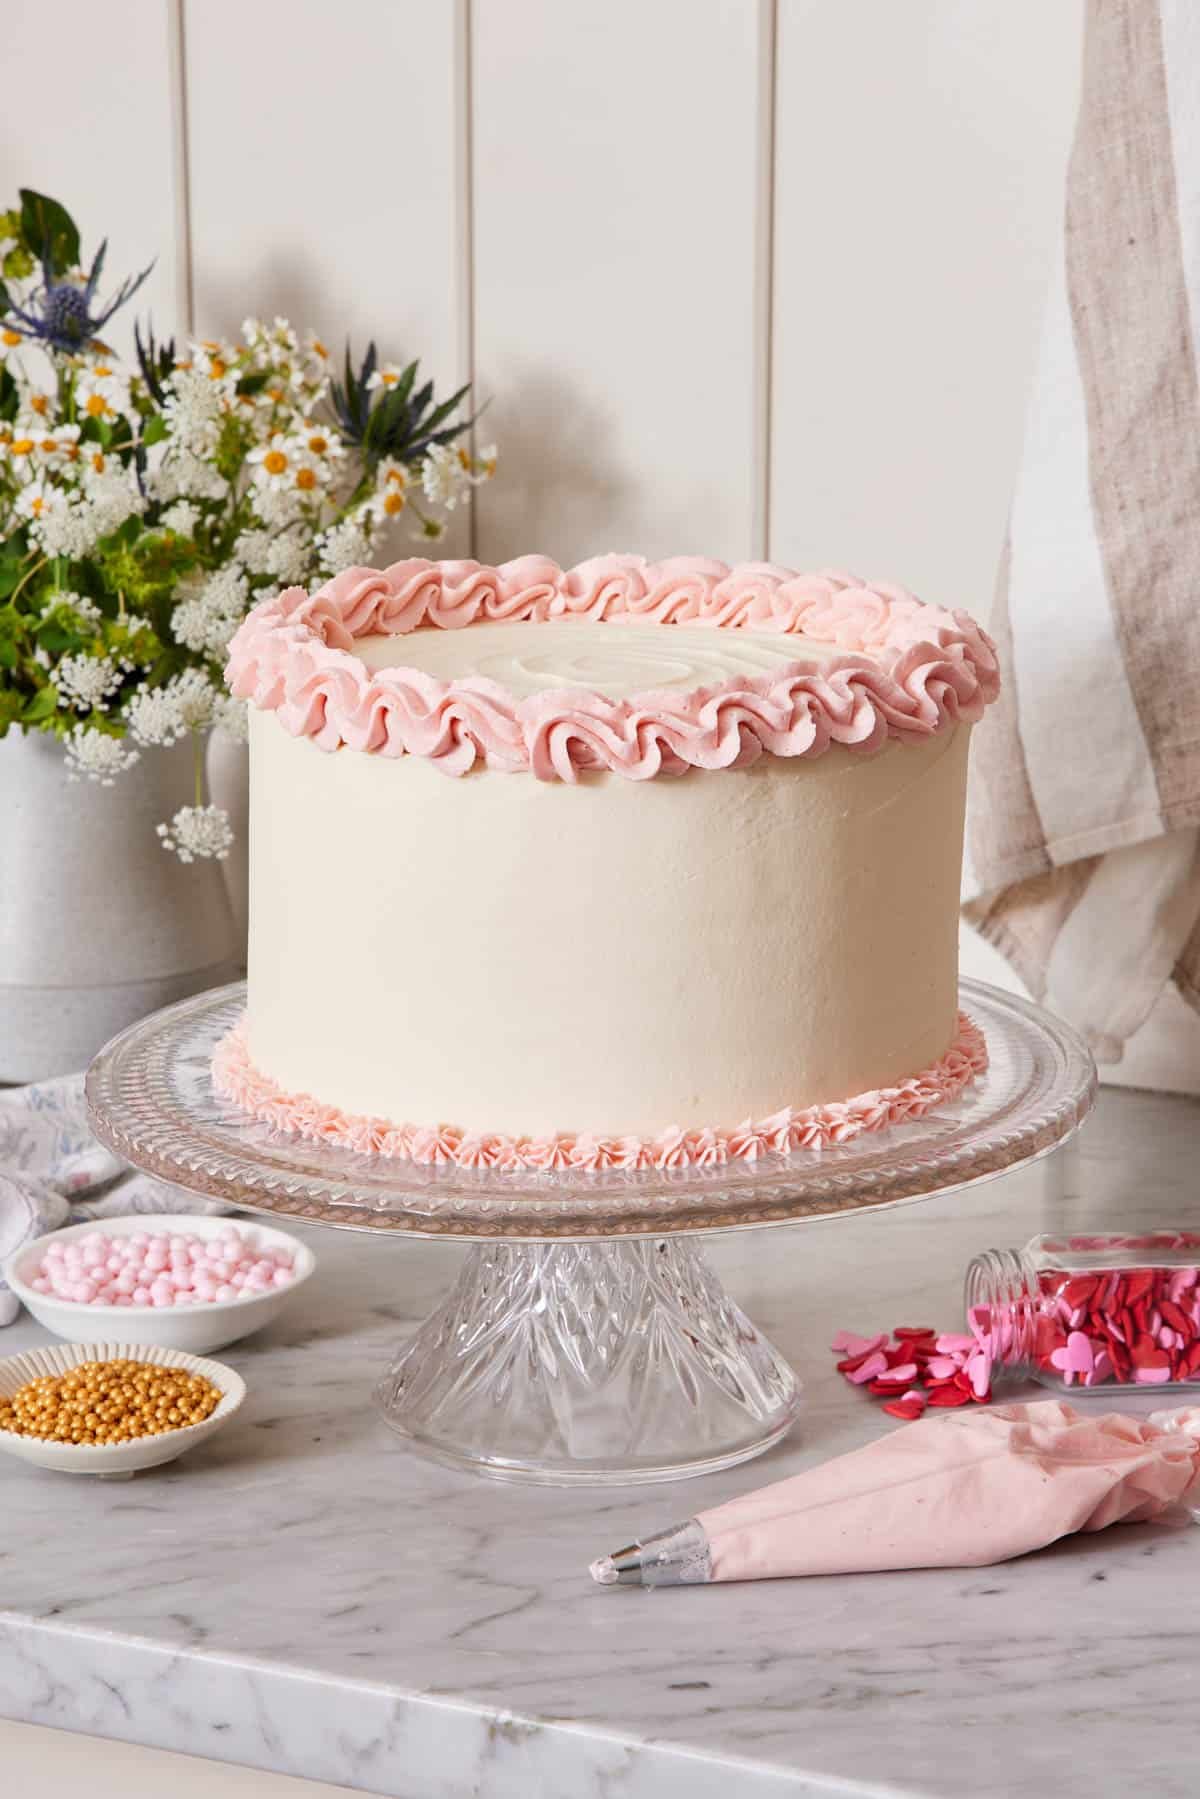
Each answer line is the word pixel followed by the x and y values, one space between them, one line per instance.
pixel 99 925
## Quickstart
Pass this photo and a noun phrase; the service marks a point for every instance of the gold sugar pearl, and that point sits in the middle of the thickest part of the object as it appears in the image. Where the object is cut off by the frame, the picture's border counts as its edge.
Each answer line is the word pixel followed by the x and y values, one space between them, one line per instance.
pixel 109 1402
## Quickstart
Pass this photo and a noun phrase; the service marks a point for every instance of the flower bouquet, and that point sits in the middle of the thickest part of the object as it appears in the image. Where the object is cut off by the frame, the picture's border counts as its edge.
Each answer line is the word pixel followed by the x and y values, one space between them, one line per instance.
pixel 145 507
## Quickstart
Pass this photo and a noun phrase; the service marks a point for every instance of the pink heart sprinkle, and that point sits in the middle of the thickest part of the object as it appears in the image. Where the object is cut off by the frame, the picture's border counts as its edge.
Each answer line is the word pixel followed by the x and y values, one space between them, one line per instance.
pixel 1075 1356
pixel 907 1372
pixel 871 1369
pixel 1102 1370
pixel 942 1367
pixel 979 1372
pixel 846 1343
pixel 951 1342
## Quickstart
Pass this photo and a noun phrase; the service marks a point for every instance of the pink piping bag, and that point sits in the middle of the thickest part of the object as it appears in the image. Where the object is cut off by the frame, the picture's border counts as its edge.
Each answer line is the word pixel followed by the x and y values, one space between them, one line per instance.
pixel 956 1492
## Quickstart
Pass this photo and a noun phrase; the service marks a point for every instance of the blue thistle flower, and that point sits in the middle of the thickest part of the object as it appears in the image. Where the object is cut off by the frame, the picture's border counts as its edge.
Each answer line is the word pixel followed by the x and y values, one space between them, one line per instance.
pixel 59 313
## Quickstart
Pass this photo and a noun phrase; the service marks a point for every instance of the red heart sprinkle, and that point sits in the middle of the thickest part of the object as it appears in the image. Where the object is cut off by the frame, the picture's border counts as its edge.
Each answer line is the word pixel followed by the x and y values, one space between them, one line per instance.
pixel 908 1409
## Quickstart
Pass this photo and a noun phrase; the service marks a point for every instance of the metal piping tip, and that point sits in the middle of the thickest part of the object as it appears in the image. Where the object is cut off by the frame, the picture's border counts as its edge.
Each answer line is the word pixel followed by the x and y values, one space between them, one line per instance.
pixel 673 1558
pixel 622 1568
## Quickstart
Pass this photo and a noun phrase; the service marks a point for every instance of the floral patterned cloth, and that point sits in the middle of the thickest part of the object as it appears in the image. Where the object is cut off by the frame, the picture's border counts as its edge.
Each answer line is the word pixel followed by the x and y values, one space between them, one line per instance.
pixel 54 1172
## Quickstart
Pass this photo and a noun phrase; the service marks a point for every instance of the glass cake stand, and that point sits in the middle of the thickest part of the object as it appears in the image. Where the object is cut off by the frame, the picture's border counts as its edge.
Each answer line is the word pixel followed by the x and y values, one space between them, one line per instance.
pixel 586 1338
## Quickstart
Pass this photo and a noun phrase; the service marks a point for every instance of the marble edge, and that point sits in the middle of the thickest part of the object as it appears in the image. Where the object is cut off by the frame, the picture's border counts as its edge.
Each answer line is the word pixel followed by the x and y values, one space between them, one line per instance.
pixel 260 1714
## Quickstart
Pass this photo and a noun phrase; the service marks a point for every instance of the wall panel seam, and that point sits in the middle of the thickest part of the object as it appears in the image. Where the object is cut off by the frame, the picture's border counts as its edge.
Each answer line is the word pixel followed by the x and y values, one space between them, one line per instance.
pixel 464 104
pixel 764 277
pixel 181 167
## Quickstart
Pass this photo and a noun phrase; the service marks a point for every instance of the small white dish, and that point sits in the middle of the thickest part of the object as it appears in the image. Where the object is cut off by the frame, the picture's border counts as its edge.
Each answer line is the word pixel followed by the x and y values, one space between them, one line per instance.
pixel 113 1459
pixel 197 1328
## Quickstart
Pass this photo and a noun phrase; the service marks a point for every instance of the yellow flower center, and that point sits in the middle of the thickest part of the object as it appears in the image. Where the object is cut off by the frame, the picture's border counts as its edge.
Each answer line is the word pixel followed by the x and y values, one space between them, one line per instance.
pixel 22 446
pixel 97 461
pixel 275 393
pixel 48 445
pixel 305 479
pixel 11 338
pixel 464 460
pixel 397 477
pixel 102 368
pixel 216 369
pixel 96 406
pixel 318 444
pixel 274 462
pixel 388 379
pixel 36 504
pixel 393 503
pixel 318 348
pixel 39 402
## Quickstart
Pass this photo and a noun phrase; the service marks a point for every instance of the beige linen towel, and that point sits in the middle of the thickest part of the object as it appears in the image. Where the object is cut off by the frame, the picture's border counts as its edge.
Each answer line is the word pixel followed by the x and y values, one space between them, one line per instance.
pixel 1083 866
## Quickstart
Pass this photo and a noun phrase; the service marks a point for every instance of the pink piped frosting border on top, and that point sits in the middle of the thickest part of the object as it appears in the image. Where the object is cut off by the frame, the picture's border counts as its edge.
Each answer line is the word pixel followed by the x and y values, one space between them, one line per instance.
pixel 811 1128
pixel 904 670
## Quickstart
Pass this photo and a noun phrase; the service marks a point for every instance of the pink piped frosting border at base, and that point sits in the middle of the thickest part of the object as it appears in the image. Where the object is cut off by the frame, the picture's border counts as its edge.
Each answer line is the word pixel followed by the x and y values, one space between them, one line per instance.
pixel 904 670
pixel 236 1078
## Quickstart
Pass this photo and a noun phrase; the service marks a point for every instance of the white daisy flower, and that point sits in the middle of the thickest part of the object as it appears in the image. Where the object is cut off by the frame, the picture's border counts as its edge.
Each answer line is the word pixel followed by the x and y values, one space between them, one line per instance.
pixel 443 476
pixel 274 462
pixel 56 446
pixel 102 393
pixel 387 375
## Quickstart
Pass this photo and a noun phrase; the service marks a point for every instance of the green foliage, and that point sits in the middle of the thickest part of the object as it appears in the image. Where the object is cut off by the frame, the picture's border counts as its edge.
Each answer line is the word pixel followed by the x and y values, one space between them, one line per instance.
pixel 403 421
pixel 49 232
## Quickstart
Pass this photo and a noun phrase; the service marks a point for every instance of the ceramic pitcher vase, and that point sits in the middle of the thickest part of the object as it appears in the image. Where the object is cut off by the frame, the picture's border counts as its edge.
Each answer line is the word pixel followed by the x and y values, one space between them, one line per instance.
pixel 98 923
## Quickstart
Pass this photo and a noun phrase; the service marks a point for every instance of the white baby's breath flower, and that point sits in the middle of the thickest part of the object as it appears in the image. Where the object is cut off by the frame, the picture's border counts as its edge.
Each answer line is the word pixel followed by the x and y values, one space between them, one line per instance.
pixel 205 621
pixel 85 610
pixel 277 507
pixel 251 548
pixel 232 716
pixel 197 832
pixel 161 716
pixel 182 518
pixel 86 683
pixel 185 476
pixel 347 544
pixel 95 756
pixel 68 530
pixel 112 496
pixel 193 411
pixel 443 476
pixel 288 557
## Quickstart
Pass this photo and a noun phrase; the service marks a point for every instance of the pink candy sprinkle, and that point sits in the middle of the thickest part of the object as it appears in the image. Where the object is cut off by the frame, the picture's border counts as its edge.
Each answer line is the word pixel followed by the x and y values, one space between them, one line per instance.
pixel 154 1269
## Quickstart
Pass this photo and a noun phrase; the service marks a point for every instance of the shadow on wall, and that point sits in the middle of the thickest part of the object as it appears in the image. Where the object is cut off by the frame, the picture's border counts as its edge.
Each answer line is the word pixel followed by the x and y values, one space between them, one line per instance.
pixel 555 478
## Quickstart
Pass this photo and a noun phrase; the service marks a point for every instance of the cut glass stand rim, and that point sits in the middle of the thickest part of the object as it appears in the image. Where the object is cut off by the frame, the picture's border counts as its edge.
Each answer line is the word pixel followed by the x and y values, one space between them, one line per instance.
pixel 151 1099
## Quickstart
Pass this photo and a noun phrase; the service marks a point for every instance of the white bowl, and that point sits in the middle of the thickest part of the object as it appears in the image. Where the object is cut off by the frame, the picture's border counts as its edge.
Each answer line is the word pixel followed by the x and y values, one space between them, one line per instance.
pixel 196 1327
pixel 113 1458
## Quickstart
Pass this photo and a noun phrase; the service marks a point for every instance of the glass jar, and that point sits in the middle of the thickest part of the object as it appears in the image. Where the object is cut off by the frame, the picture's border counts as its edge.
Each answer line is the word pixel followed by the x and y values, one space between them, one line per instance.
pixel 1108 1309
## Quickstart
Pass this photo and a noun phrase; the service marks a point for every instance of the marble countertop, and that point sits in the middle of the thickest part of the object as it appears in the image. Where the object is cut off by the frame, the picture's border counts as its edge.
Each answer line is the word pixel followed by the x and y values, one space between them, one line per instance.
pixel 304 1594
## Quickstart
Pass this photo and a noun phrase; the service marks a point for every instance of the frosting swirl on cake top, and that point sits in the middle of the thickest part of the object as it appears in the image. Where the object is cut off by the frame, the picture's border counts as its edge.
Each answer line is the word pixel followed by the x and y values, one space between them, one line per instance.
pixel 825 659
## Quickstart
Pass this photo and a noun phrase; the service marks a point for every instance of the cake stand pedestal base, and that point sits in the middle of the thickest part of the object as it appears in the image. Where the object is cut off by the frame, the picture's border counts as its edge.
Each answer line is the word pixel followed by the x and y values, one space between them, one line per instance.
pixel 592 1362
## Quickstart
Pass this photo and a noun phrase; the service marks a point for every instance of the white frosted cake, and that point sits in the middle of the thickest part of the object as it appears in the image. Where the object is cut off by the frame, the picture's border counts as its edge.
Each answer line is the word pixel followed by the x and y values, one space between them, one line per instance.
pixel 629 865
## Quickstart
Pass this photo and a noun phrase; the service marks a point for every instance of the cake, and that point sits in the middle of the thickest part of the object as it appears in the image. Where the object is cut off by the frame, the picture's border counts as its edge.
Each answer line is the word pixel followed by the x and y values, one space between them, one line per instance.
pixel 634 864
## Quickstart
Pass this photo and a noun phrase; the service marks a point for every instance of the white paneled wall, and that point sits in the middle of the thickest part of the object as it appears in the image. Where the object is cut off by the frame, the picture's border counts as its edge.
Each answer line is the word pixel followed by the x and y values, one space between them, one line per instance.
pixel 757 277
pixel 621 237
